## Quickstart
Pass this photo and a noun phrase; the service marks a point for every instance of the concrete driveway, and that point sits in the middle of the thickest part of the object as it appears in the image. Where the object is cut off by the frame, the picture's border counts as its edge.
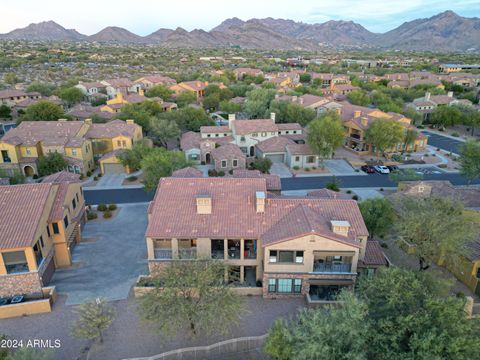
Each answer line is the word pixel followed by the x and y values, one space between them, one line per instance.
pixel 109 259
pixel 111 180
pixel 280 169
pixel 341 167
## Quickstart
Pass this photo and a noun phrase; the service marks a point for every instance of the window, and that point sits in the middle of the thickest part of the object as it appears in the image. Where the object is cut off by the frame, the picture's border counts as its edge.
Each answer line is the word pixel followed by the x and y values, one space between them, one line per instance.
pixel 124 143
pixel 272 285
pixel 208 135
pixel 77 198
pixel 234 162
pixel 55 228
pixel 264 134
pixel 297 158
pixel 285 256
pixel 15 262
pixel 48 231
pixel 217 135
pixel 65 221
pixel 41 241
pixel 273 256
pixel 284 285
pixel 74 204
pixel 254 134
pixel 224 164
pixel 297 286
pixel 74 152
pixel 310 159
pixel 299 257
pixel 242 138
pixel 119 143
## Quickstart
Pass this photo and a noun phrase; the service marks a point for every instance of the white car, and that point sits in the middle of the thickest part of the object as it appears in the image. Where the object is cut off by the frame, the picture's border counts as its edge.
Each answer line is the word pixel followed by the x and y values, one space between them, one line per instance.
pixel 382 169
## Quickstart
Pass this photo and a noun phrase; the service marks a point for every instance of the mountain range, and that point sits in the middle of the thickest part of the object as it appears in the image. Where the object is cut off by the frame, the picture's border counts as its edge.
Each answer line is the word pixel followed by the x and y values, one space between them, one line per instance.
pixel 446 31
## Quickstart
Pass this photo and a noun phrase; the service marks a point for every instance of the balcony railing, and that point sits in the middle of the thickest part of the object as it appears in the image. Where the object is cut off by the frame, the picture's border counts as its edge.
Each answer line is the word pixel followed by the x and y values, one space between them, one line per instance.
pixel 332 268
pixel 218 254
pixel 163 254
pixel 190 253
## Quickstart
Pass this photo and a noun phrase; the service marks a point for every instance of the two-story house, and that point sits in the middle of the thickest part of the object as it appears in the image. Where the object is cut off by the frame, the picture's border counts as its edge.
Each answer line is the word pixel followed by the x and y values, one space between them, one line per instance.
pixel 293 246
pixel 41 223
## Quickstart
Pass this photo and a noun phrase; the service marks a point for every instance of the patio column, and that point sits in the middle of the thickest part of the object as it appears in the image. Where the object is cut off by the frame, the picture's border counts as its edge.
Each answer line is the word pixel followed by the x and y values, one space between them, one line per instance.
pixel 150 249
pixel 242 249
pixel 3 269
pixel 174 248
pixel 31 260
pixel 225 249
pixel 242 274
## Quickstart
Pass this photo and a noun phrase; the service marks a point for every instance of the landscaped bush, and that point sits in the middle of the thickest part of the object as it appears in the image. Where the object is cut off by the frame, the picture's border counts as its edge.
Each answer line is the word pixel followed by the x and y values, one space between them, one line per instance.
pixel 397 157
pixel 314 168
pixel 95 178
pixel 102 207
pixel 333 185
pixel 307 169
pixel 132 178
pixel 91 215
pixel 89 173
pixel 35 176
pixel 212 173
pixel 107 214
pixel 296 167
pixel 112 207
pixel 355 197
pixel 381 189
pixel 349 191
pixel 221 173
pixel 100 175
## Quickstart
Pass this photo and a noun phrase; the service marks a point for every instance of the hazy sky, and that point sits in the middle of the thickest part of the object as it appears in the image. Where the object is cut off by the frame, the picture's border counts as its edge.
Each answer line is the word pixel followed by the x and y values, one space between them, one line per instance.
pixel 145 16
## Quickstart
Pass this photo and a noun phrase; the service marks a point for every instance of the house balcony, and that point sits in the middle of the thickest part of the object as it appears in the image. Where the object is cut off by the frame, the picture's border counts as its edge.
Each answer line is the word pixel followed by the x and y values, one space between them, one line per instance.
pixel 163 254
pixel 332 268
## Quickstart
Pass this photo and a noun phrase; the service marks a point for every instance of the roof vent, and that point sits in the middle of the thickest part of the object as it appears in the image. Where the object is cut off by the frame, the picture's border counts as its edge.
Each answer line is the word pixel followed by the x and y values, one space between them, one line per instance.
pixel 340 227
pixel 204 204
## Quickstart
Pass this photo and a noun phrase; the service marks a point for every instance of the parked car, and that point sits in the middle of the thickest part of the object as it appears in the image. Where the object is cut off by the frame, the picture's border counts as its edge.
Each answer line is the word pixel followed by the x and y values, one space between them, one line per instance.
pixel 368 169
pixel 392 168
pixel 381 169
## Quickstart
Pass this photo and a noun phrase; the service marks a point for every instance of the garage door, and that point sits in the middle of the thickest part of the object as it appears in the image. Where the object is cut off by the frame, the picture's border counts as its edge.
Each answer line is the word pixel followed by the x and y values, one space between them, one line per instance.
pixel 113 168
pixel 278 158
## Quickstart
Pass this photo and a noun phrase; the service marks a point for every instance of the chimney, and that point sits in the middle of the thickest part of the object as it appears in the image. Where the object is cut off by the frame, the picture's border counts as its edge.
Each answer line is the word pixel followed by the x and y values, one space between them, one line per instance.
pixel 450 94
pixel 357 113
pixel 340 227
pixel 427 96
pixel 260 201
pixel 272 116
pixel 364 121
pixel 204 204
pixel 130 122
pixel 231 119
pixel 88 121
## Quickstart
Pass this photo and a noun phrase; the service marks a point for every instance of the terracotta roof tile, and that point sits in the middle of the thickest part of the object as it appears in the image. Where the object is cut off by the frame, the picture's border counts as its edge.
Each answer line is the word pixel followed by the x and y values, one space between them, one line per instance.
pixel 188 172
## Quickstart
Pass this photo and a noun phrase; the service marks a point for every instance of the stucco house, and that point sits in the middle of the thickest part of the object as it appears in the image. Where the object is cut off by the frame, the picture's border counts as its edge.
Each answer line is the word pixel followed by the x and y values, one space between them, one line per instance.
pixel 228 157
pixel 292 246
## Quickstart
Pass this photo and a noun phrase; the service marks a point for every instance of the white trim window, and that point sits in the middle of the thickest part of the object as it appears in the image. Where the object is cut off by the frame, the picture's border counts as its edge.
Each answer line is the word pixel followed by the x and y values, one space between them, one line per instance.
pixel 223 164
pixel 234 163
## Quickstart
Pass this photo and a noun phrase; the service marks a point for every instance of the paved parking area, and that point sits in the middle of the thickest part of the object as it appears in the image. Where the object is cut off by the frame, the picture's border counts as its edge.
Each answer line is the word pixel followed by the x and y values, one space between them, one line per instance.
pixel 111 180
pixel 443 142
pixel 341 167
pixel 109 259
pixel 280 169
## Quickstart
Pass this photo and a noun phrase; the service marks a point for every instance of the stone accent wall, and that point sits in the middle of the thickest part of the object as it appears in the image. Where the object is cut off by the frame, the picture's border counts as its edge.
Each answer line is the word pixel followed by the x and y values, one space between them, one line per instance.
pixel 305 282
pixel 20 284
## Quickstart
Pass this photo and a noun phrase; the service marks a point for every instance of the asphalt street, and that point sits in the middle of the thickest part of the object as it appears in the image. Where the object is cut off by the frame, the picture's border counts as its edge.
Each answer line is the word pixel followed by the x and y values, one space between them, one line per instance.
pixel 443 142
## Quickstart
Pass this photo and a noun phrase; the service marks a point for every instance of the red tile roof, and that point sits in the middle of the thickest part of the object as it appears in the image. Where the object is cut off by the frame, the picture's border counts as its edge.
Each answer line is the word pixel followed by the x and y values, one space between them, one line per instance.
pixel 215 129
pixel 273 181
pixel 234 214
pixel 227 151
pixel 188 172
pixel 30 133
pixel 61 176
pixel 111 129
pixel 274 144
pixel 374 254
pixel 22 209
pixel 244 127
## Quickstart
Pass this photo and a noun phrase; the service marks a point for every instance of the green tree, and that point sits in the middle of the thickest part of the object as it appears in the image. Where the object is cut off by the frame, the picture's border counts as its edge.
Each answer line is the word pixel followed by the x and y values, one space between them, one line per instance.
pixel 43 110
pixel 470 160
pixel 5 112
pixel 444 116
pixel 161 163
pixel 326 134
pixel 258 101
pixel 191 298
pixel 160 91
pixel 94 317
pixel 43 88
pixel 410 317
pixel 71 95
pixel 51 163
pixel 133 157
pixel 10 78
pixel 472 120
pixel 384 134
pixel 164 130
pixel 287 112
pixel 263 165
pixel 409 138
pixel 305 78
pixel 142 113
pixel 211 102
pixel 229 107
pixel 436 226
pixel 185 98
pixel 378 215
pixel 189 118
pixel 359 97
pixel 333 332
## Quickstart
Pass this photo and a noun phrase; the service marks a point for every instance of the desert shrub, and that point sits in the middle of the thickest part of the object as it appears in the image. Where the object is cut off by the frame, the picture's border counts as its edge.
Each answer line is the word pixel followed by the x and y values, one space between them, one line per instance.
pixel 102 207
